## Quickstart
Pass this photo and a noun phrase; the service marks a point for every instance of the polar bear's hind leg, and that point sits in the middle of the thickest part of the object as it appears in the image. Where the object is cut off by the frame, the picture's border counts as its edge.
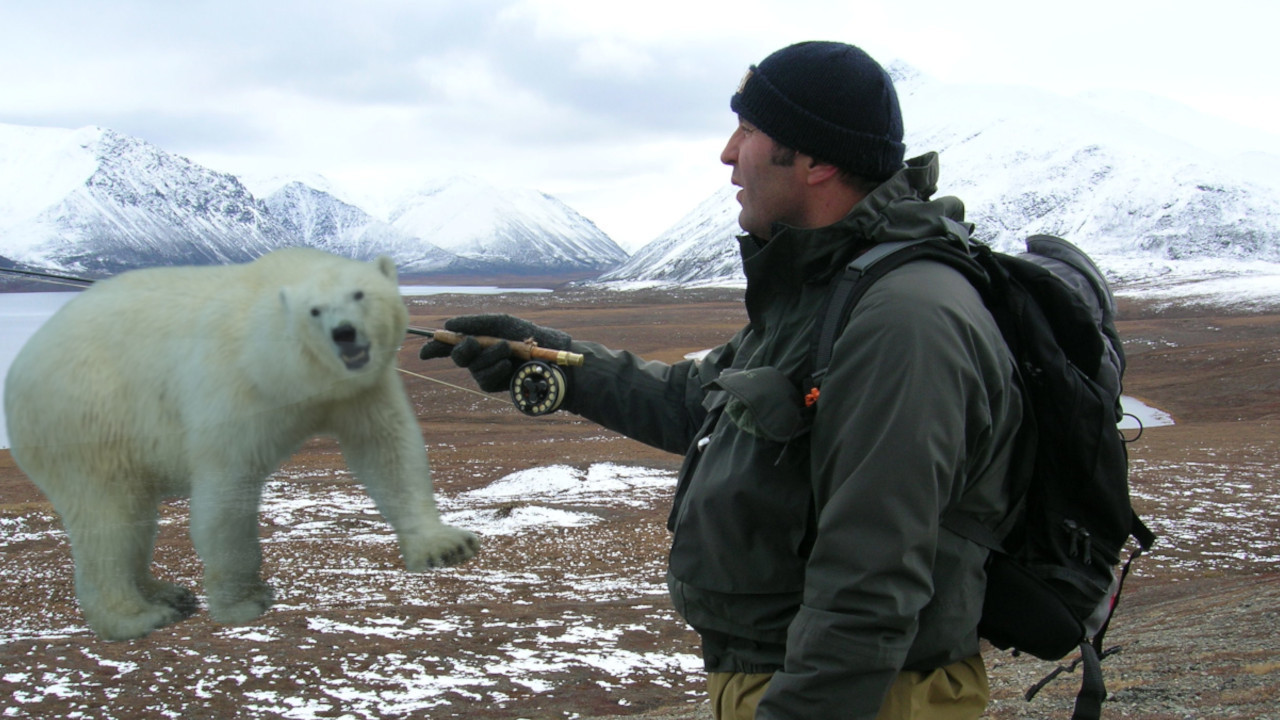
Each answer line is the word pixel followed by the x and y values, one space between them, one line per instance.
pixel 112 538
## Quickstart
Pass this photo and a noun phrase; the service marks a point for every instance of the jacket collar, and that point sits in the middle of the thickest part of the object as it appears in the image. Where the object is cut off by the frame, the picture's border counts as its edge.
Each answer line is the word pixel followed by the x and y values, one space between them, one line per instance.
pixel 899 209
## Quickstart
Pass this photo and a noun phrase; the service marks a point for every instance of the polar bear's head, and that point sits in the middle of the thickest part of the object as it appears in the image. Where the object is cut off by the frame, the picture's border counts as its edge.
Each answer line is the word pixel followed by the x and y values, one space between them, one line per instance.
pixel 347 315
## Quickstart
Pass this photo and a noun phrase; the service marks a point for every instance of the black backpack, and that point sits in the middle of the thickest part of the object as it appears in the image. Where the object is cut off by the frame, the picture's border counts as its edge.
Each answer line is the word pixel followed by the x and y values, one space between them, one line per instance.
pixel 1052 583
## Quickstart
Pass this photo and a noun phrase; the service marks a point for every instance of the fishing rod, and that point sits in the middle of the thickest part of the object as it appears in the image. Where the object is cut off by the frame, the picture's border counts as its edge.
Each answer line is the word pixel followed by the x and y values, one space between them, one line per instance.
pixel 538 386
pixel 51 277
pixel 525 350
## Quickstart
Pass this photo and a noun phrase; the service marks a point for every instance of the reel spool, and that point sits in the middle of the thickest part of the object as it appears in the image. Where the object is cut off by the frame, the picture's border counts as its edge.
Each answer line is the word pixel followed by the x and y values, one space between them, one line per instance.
pixel 538 388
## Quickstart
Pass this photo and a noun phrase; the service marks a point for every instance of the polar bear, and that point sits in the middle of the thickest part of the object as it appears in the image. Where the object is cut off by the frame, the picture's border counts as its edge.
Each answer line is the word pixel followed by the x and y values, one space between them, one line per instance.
pixel 200 382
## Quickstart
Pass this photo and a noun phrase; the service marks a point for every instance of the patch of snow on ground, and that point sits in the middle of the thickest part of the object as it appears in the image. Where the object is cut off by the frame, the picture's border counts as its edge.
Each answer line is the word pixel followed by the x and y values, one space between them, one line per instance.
pixel 600 484
pixel 1139 414
pixel 1206 512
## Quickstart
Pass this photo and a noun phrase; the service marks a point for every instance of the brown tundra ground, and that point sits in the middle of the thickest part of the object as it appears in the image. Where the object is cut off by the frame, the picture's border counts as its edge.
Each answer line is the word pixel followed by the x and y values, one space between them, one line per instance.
pixel 564 613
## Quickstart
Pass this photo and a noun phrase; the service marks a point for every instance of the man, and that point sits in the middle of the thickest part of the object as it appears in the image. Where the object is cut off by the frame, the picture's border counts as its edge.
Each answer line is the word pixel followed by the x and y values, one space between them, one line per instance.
pixel 807 549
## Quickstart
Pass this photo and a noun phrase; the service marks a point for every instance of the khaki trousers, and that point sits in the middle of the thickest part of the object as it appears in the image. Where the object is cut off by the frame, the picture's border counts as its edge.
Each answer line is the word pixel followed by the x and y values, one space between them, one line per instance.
pixel 958 691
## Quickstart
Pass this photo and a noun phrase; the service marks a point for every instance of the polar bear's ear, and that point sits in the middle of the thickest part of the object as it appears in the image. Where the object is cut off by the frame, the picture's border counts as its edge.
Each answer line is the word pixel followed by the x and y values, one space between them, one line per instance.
pixel 386 266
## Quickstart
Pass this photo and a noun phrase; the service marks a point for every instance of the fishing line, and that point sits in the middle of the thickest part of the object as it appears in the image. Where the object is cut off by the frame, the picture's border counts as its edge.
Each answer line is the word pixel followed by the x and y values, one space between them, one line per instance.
pixel 451 385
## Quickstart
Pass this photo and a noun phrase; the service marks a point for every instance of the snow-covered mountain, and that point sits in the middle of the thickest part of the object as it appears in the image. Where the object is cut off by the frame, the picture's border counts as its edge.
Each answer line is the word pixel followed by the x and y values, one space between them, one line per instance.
pixel 1136 193
pixel 1141 185
pixel 700 248
pixel 323 221
pixel 525 230
pixel 95 201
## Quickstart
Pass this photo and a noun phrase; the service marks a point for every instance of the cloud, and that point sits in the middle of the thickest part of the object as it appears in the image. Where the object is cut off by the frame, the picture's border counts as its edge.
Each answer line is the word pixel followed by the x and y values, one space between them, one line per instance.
pixel 622 106
pixel 484 68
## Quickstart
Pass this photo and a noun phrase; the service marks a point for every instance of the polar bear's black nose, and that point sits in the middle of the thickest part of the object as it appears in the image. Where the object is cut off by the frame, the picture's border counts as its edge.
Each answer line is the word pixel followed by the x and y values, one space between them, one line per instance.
pixel 344 334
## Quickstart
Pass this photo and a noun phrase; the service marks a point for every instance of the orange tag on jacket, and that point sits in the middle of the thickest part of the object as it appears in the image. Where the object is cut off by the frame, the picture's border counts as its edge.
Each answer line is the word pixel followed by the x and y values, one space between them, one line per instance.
pixel 812 398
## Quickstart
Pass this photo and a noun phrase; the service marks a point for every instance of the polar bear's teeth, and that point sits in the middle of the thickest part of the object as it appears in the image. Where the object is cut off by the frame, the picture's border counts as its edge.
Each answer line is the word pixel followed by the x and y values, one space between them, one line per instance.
pixel 353 354
pixel 354 357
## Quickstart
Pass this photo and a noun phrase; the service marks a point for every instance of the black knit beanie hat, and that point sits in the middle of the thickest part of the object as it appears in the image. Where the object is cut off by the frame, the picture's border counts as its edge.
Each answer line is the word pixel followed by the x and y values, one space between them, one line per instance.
pixel 830 101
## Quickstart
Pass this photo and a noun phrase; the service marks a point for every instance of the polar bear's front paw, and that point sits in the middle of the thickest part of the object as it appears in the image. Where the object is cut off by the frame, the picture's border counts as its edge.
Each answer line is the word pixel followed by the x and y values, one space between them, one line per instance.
pixel 243 604
pixel 442 546
pixel 180 599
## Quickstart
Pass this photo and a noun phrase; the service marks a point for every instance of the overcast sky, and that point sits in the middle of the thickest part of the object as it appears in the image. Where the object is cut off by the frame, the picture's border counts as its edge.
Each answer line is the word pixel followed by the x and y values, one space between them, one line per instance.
pixel 618 108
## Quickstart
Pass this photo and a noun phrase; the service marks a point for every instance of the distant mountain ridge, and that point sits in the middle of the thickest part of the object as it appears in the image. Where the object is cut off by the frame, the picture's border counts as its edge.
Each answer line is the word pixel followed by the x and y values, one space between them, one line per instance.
pixel 318 219
pixel 699 249
pixel 96 202
pixel 136 205
pixel 515 229
pixel 1024 162
pixel 1144 189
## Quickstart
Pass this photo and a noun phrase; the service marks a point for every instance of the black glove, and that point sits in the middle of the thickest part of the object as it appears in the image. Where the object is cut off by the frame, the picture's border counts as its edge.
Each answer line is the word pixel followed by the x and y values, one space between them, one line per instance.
pixel 492 367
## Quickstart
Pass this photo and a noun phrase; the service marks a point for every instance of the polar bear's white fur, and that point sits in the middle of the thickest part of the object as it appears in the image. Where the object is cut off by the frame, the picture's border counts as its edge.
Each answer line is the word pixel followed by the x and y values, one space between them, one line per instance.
pixel 199 382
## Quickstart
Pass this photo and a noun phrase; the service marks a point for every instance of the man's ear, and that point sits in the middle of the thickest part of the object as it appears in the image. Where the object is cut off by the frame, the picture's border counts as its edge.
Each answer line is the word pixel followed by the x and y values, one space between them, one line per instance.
pixel 819 172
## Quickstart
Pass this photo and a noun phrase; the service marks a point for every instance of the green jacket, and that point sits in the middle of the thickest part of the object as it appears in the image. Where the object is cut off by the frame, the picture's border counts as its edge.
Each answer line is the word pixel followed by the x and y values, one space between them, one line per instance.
pixel 807 541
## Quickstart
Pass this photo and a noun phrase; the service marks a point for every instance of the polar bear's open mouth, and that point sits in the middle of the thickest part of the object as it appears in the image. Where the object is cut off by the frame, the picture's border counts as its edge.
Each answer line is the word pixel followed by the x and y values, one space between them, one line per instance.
pixel 354 354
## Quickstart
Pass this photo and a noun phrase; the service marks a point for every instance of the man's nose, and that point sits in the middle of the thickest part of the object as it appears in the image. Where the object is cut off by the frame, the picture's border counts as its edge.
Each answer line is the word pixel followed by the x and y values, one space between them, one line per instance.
pixel 729 156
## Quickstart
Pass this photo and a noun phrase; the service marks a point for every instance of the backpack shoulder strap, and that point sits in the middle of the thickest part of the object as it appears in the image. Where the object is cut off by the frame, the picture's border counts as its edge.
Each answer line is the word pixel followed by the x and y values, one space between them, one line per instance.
pixel 846 292
pixel 861 273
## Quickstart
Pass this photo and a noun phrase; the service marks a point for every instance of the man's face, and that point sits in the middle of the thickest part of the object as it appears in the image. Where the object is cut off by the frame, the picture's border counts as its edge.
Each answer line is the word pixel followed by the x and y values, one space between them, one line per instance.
pixel 771 192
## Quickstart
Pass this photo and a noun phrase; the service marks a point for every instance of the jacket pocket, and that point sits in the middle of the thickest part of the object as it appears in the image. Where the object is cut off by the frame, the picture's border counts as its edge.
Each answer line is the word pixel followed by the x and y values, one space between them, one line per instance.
pixel 763 402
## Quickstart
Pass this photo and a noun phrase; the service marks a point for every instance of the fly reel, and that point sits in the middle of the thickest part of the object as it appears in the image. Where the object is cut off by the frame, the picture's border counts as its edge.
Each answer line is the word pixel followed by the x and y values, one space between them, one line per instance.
pixel 538 388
